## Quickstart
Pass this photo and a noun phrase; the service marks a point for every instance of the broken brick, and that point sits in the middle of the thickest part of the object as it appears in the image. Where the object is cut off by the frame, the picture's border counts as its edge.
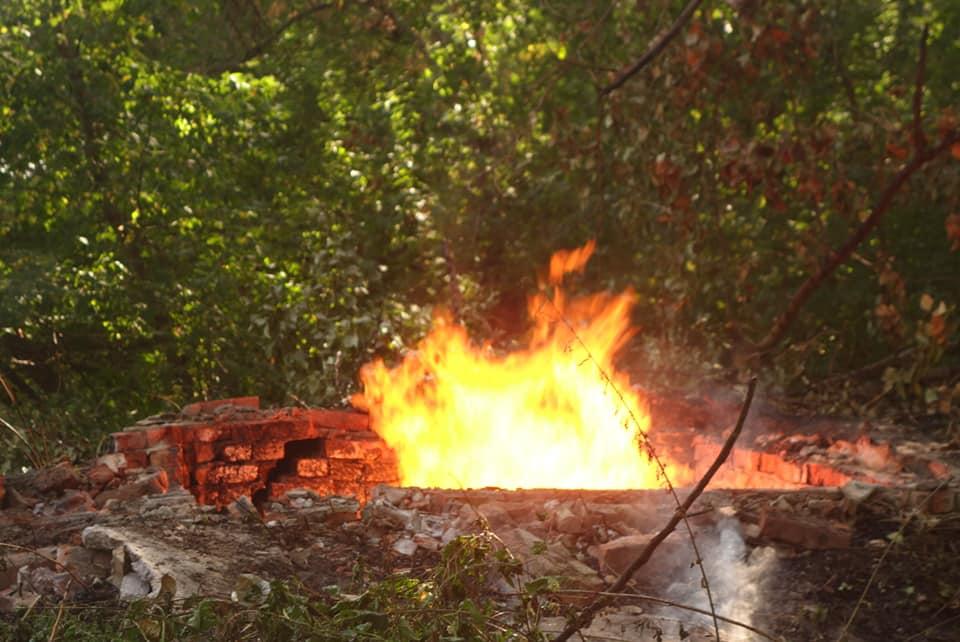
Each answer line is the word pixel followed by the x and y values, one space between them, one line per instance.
pixel 825 475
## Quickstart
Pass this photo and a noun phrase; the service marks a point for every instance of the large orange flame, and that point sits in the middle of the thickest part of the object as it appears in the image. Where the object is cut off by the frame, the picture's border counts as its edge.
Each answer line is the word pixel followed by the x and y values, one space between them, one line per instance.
pixel 460 416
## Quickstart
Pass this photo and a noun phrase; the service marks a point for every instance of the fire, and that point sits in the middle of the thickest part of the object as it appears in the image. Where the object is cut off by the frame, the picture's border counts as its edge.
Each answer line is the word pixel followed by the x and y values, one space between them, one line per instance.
pixel 547 416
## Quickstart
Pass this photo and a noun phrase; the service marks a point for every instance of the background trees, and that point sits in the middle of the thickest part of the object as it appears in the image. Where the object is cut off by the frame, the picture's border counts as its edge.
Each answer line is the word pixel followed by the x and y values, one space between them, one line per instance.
pixel 255 196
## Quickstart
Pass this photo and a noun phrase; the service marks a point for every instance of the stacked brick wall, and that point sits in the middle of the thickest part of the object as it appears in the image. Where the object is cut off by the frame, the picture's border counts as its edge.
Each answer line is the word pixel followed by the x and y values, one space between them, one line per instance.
pixel 226 449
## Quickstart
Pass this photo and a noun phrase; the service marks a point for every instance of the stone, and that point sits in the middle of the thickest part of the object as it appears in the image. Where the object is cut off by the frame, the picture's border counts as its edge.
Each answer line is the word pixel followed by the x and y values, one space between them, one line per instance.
pixel 83 561
pixel 426 542
pixel 405 546
pixel 804 532
pixel 100 538
pixel 618 554
pixel 132 588
pixel 566 521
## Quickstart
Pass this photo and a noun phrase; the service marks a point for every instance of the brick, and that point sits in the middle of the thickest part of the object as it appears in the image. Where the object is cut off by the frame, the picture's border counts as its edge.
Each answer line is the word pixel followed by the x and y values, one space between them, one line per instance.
pixel 166 458
pixel 207 407
pixel 804 532
pixel 288 430
pixel 825 475
pixel 346 470
pixel 339 420
pixel 205 433
pixel 366 449
pixel 129 440
pixel 746 459
pixel 155 435
pixel 203 452
pixel 267 451
pixel 237 452
pixel 313 468
pixel 381 472
pixel 226 474
pixel 135 458
pixel 785 470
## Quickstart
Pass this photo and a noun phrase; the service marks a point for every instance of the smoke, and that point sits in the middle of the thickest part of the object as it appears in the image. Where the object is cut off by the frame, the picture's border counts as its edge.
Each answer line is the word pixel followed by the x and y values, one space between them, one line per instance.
pixel 736 574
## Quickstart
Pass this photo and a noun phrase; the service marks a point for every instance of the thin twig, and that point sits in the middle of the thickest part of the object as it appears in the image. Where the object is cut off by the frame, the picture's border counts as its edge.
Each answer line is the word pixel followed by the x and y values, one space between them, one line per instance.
pixel 586 615
pixel 659 45
pixel 662 470
pixel 876 569
pixel 659 600
pixel 56 622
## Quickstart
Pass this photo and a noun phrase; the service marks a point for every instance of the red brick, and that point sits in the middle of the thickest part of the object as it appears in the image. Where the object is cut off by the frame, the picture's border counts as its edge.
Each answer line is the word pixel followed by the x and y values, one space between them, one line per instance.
pixel 268 450
pixel 203 452
pixel 785 470
pixel 206 407
pixel 3 489
pixel 288 430
pixel 155 434
pixel 166 458
pixel 228 474
pixel 825 475
pixel 746 459
pixel 346 470
pixel 135 458
pixel 237 452
pixel 313 467
pixel 129 440
pixel 205 433
pixel 381 472
pixel 369 450
pixel 339 420
pixel 98 474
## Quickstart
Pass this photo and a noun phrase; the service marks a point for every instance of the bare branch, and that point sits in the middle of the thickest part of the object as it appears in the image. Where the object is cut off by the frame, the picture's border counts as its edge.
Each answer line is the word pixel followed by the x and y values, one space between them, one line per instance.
pixel 586 615
pixel 262 46
pixel 840 256
pixel 919 140
pixel 658 46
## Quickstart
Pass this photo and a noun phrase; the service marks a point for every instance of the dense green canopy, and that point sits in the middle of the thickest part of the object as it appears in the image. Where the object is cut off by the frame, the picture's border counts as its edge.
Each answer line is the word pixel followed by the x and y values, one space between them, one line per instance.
pixel 256 196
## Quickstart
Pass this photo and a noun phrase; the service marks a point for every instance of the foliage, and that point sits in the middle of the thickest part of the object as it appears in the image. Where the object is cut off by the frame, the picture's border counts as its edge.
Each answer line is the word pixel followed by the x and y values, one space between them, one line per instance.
pixel 256 197
pixel 451 603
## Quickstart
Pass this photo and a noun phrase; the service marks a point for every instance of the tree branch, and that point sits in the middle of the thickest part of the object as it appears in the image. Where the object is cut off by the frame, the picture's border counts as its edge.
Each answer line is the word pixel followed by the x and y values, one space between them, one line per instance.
pixel 605 598
pixel 658 46
pixel 261 47
pixel 919 140
pixel 841 255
